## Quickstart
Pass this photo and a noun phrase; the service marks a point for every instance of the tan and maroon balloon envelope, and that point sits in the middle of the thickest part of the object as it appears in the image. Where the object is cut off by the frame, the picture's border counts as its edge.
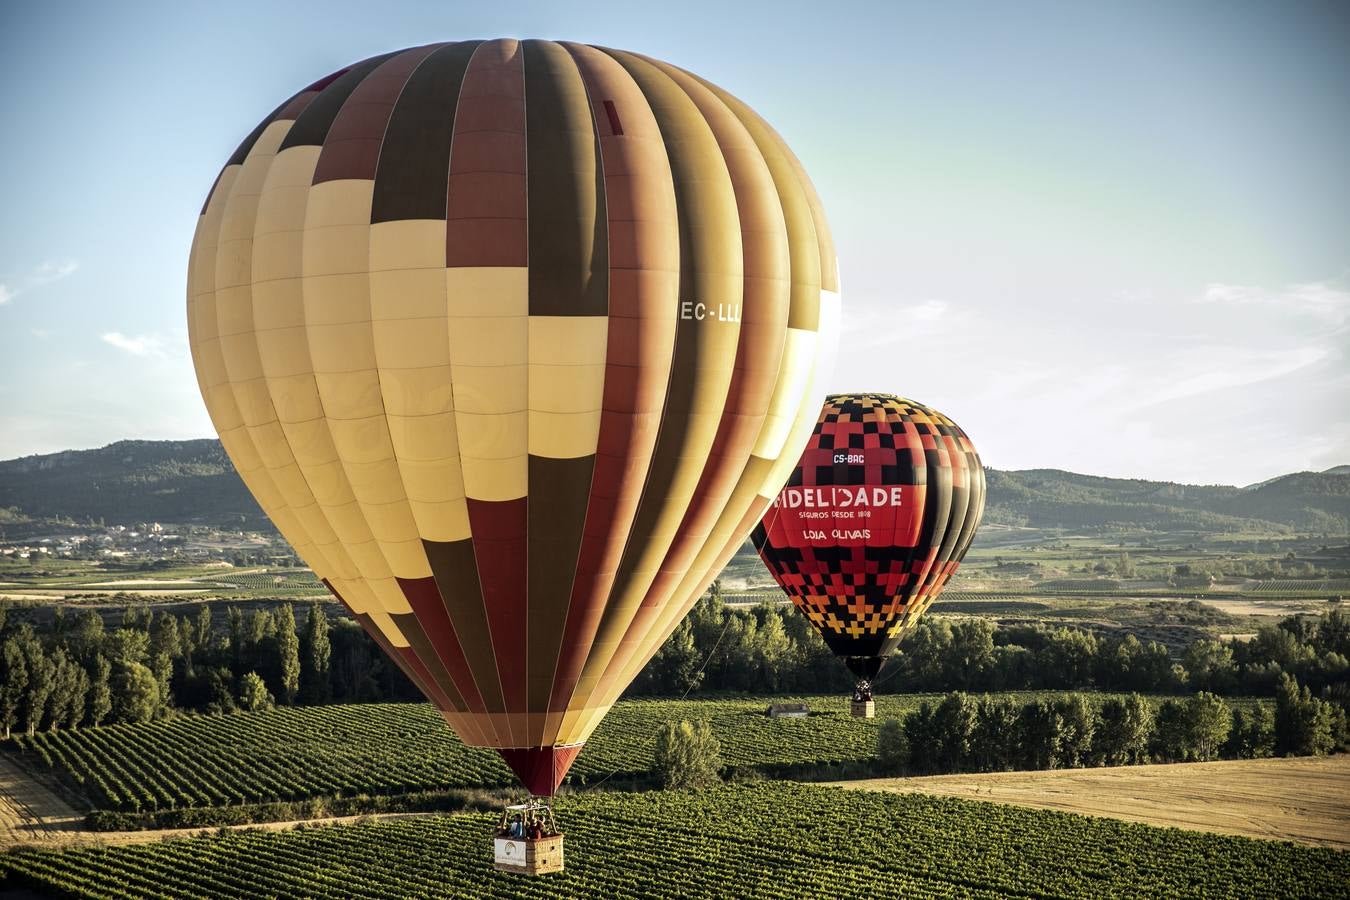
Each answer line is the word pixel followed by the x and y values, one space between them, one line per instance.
pixel 514 341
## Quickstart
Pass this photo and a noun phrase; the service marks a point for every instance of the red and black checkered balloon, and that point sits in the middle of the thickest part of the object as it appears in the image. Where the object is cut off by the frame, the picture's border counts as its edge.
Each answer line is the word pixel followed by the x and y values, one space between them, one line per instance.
pixel 873 522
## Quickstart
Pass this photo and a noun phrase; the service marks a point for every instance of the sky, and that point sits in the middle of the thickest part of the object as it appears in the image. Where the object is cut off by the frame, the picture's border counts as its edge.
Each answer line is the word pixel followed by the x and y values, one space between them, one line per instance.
pixel 1108 237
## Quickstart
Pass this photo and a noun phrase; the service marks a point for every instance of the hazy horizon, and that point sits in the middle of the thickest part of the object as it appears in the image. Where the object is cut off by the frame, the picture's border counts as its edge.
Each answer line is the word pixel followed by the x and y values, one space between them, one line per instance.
pixel 987 463
pixel 1110 239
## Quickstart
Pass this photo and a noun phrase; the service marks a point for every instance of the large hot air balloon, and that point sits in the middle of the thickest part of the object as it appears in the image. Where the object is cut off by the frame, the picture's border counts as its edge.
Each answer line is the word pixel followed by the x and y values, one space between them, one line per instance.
pixel 873 522
pixel 514 341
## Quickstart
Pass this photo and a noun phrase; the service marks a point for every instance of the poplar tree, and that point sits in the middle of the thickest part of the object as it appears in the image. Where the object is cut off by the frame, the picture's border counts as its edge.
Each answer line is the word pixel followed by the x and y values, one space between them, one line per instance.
pixel 288 654
pixel 13 683
pixel 100 691
pixel 40 670
pixel 316 657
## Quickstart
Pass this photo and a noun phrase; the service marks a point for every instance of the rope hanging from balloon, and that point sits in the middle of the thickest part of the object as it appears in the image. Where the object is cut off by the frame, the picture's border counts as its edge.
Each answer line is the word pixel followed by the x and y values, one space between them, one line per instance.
pixel 651 740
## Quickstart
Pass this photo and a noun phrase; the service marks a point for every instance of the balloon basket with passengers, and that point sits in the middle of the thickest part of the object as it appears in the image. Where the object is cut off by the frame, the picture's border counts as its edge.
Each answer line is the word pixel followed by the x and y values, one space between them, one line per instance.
pixel 862 706
pixel 528 841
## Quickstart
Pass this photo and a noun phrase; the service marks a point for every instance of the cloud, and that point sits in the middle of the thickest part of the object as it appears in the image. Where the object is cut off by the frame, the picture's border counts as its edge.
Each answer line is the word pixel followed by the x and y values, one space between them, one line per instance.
pixel 877 324
pixel 140 345
pixel 1202 383
pixel 1205 371
pixel 42 275
pixel 52 270
pixel 1321 299
pixel 927 311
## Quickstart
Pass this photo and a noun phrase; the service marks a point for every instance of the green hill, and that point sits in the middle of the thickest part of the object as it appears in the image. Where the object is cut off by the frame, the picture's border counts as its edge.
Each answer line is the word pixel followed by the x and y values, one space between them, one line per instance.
pixel 1317 502
pixel 129 482
pixel 193 481
pixel 1313 501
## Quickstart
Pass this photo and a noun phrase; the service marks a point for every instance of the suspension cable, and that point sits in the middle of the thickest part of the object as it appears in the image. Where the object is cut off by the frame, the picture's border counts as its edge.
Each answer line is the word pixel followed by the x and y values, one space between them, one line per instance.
pixel 651 739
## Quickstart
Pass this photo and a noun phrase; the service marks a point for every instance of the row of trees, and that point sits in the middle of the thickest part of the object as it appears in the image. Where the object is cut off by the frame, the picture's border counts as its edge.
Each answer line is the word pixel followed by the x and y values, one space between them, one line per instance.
pixel 1123 566
pixel 77 670
pixel 962 733
pixel 773 648
pixel 1248 568
pixel 994 734
pixel 976 654
pixel 761 649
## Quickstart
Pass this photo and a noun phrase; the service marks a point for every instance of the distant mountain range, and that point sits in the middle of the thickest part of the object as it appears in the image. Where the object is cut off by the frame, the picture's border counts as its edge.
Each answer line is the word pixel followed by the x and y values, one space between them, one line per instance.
pixel 1306 502
pixel 132 481
pixel 193 481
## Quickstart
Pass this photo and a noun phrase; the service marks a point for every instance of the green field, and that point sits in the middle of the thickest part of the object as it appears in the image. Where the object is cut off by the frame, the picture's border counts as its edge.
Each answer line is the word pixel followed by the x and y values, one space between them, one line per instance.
pixel 769 840
pixel 325 751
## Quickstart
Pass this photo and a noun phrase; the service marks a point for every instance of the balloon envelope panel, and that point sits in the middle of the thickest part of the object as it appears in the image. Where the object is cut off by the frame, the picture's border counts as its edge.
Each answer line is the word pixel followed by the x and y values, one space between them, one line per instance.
pixel 514 341
pixel 873 522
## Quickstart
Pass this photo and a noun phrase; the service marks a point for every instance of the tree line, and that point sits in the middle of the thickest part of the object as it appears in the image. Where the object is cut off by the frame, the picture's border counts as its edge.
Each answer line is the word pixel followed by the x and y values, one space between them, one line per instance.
pixel 963 733
pixel 773 649
pixel 966 733
pixel 976 654
pixel 1195 572
pixel 78 671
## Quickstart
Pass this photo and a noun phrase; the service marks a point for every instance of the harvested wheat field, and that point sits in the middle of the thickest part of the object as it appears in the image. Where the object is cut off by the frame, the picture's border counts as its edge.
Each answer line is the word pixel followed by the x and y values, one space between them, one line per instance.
pixel 31 814
pixel 1302 799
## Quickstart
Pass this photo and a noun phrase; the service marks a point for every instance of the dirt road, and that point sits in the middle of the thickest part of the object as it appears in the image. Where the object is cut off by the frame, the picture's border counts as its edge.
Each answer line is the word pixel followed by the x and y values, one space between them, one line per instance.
pixel 1303 799
pixel 30 813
